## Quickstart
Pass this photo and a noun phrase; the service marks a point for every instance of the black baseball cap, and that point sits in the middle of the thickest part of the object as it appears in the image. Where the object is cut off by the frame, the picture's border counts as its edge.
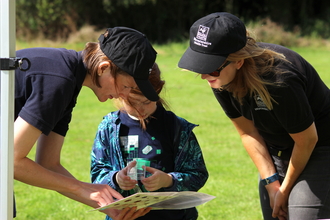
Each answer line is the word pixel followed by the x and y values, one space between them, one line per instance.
pixel 131 51
pixel 212 39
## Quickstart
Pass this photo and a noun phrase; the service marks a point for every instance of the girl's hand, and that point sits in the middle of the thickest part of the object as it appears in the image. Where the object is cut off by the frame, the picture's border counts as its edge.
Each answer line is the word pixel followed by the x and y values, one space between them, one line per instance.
pixel 124 181
pixel 158 180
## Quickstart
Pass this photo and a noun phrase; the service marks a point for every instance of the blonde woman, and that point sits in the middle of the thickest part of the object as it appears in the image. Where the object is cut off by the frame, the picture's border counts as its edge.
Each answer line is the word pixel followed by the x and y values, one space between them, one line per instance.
pixel 280 108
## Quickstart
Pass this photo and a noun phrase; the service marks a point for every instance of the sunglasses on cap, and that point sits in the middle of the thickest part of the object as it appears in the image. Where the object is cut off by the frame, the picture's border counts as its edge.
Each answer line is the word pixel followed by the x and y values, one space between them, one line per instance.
pixel 217 72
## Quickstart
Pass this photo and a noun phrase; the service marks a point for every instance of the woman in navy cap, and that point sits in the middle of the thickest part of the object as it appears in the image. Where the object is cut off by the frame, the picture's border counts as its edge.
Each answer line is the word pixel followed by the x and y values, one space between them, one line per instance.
pixel 280 108
pixel 46 94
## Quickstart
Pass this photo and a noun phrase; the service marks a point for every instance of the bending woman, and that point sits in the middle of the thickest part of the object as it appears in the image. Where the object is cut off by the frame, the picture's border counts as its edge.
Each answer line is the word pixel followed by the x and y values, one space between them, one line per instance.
pixel 46 94
pixel 280 108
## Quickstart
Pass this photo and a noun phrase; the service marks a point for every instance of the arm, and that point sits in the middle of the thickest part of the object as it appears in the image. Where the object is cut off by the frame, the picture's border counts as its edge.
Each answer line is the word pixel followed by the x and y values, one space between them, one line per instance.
pixel 304 143
pixel 58 179
pixel 106 156
pixel 106 169
pixel 255 146
pixel 257 150
pixel 106 163
pixel 190 173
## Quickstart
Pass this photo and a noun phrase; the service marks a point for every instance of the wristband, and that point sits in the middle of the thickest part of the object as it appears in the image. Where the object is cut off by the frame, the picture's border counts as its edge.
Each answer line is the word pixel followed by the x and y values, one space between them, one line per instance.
pixel 270 179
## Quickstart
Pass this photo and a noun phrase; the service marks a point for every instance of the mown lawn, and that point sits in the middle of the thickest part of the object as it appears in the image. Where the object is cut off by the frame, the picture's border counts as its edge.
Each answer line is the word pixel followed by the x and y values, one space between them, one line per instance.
pixel 233 177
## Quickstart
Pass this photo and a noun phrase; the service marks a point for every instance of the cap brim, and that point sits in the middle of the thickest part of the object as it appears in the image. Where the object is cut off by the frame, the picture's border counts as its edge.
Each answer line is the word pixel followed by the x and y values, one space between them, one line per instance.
pixel 201 62
pixel 147 89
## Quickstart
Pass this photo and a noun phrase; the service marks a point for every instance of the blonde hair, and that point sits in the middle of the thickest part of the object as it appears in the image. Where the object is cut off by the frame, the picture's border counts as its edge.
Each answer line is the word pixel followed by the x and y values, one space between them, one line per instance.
pixel 257 62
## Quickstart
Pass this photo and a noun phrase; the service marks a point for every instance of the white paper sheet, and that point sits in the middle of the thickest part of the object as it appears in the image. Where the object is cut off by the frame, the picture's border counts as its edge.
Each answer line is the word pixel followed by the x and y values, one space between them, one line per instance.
pixel 161 200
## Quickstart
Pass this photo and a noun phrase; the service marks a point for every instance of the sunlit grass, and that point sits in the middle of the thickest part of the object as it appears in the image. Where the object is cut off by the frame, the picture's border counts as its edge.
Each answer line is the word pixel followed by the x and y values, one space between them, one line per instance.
pixel 233 177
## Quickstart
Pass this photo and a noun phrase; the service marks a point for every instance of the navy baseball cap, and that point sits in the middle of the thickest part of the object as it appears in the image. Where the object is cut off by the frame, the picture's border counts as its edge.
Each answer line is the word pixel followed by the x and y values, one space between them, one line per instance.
pixel 212 39
pixel 131 51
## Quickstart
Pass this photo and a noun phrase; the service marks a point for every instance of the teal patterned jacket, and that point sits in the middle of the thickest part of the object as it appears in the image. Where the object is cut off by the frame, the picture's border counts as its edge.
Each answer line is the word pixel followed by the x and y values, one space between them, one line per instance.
pixel 189 174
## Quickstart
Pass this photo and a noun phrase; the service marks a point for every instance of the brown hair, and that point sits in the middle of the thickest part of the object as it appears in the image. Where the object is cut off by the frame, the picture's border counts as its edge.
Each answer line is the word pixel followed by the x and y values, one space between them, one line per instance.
pixel 158 85
pixel 92 57
pixel 257 62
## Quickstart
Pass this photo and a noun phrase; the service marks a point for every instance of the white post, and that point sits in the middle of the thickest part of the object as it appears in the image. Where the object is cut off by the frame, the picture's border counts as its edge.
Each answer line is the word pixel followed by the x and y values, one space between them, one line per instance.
pixel 7 49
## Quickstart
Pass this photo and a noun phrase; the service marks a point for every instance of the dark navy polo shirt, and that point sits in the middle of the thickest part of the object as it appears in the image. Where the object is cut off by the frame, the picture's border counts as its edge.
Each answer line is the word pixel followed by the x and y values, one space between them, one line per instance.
pixel 46 94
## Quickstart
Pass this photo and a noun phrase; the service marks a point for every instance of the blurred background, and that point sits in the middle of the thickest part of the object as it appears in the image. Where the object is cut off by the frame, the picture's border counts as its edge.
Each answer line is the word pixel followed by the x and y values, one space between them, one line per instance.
pixel 166 21
pixel 302 25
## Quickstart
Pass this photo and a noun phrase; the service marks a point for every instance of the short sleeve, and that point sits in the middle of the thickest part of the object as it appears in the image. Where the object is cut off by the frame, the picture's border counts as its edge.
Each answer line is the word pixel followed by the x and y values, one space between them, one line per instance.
pixel 50 103
pixel 292 107
pixel 227 103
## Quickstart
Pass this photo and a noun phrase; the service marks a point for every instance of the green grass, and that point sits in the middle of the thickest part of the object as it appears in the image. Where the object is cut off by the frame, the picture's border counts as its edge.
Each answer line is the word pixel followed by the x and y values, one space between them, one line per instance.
pixel 233 177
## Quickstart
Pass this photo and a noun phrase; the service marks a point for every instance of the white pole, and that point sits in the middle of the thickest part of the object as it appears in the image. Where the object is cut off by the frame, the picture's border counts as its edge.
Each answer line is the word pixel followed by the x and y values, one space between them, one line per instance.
pixel 7 49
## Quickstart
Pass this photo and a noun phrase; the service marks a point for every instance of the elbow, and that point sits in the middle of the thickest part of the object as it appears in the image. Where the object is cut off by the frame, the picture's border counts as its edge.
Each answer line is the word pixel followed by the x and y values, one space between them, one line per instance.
pixel 19 166
pixel 314 141
pixel 314 138
pixel 16 169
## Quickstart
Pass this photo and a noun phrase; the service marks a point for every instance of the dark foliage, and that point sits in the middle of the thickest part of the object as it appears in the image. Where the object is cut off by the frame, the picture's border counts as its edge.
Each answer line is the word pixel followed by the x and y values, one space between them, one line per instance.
pixel 163 20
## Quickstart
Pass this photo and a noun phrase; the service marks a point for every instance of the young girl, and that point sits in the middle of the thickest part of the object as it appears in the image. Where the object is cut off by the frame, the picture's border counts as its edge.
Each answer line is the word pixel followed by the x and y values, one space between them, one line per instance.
pixel 144 129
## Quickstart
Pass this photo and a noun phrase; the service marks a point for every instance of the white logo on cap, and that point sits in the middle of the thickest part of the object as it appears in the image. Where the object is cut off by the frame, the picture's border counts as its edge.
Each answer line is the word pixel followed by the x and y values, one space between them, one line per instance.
pixel 201 36
pixel 202 32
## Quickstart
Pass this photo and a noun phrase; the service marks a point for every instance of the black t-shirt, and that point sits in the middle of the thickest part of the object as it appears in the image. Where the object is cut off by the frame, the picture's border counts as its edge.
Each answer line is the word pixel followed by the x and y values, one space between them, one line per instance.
pixel 46 94
pixel 154 143
pixel 301 99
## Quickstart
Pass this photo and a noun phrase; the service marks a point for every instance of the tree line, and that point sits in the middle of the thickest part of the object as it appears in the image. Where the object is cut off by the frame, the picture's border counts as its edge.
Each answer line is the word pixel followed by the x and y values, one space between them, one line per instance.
pixel 163 20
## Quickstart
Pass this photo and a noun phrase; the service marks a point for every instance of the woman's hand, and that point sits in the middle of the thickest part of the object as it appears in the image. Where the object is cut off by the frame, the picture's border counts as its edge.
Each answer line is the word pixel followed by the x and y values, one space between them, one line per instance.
pixel 127 213
pixel 280 208
pixel 158 180
pixel 277 202
pixel 101 194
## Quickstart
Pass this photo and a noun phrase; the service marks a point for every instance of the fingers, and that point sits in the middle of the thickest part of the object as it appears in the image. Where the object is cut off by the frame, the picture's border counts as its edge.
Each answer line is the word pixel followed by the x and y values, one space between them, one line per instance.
pixel 275 212
pixel 141 212
pixel 150 169
pixel 115 214
pixel 146 210
pixel 150 185
pixel 114 193
pixel 128 213
pixel 107 197
pixel 280 214
pixel 127 184
pixel 131 164
pixel 102 194
pixel 124 181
